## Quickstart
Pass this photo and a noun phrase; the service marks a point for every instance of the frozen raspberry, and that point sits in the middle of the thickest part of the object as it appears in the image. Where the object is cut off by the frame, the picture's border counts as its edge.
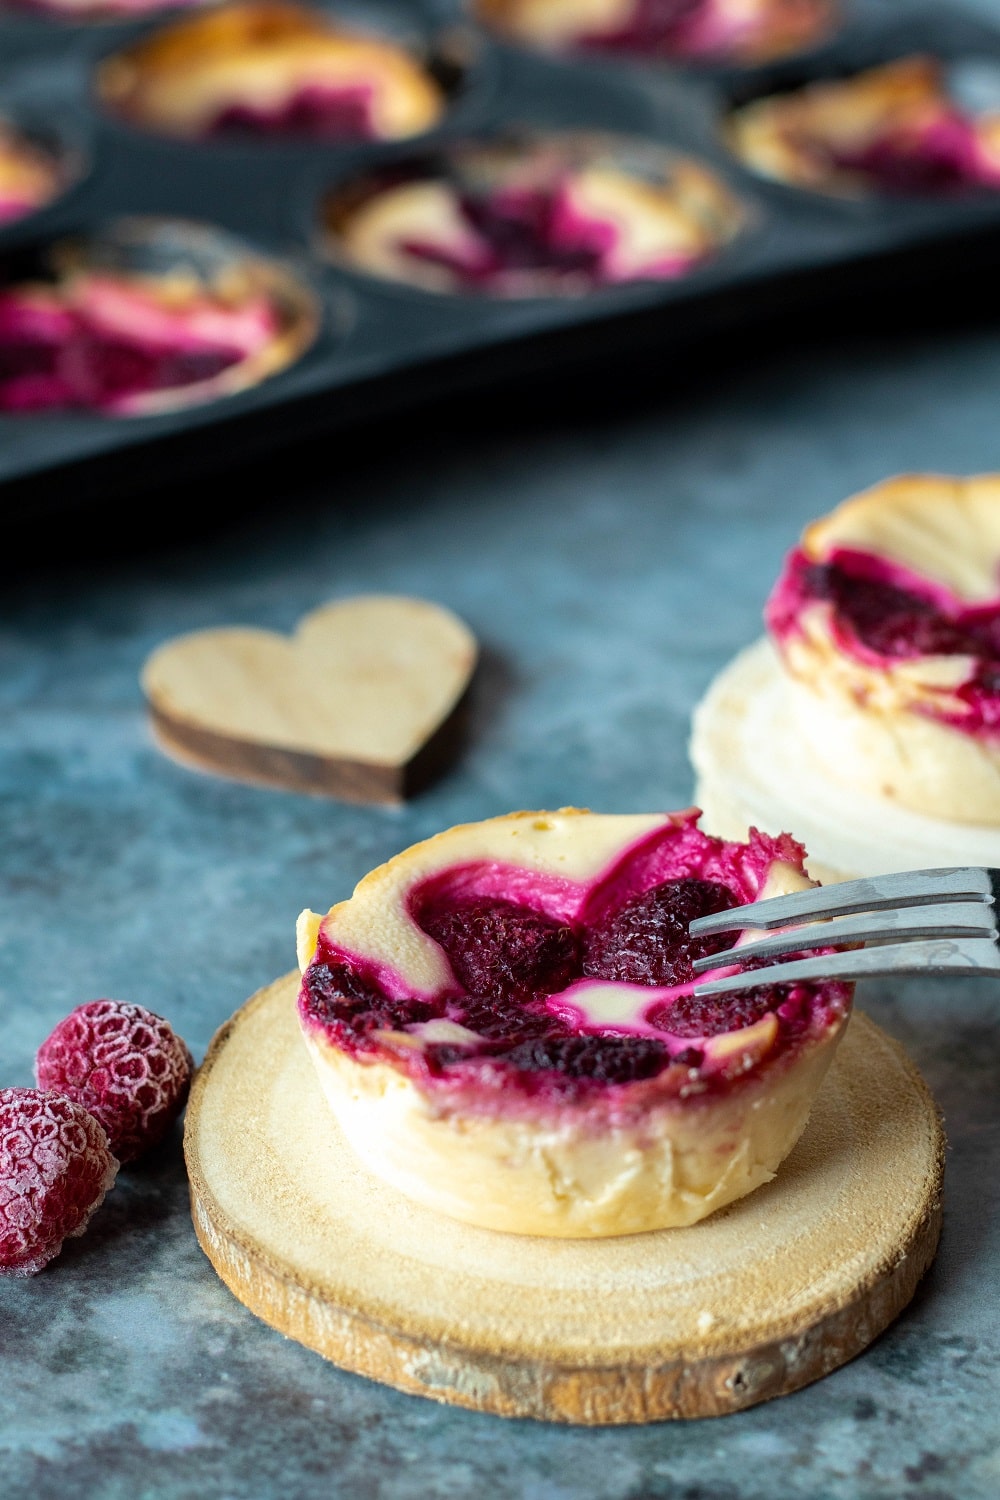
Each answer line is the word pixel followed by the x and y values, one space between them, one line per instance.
pixel 122 1063
pixel 646 941
pixel 55 1168
pixel 500 950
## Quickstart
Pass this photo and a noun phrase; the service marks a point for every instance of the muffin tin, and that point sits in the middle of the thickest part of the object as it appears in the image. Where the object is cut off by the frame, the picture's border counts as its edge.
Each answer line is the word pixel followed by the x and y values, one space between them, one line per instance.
pixel 381 344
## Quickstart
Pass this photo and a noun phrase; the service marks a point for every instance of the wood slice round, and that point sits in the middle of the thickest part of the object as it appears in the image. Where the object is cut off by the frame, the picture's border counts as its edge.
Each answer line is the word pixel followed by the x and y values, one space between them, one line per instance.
pixel 758 1300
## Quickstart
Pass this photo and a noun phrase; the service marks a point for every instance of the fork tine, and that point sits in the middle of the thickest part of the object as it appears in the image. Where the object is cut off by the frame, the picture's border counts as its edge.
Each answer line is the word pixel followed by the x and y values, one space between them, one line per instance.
pixel 970 955
pixel 953 919
pixel 875 893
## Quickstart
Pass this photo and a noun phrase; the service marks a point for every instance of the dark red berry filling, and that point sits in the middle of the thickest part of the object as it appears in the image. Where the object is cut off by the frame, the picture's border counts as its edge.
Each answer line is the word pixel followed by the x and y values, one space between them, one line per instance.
pixel 522 231
pixel 876 614
pixel 940 159
pixel 518 973
pixel 646 941
pixel 703 30
pixel 65 362
pixel 502 951
pixel 333 115
pixel 665 27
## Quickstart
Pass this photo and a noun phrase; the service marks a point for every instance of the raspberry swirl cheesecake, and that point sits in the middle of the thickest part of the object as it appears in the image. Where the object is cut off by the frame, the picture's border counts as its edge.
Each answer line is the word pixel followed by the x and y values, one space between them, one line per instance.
pixel 30 176
pixel 524 217
pixel 732 31
pixel 870 711
pixel 887 621
pixel 502 1019
pixel 268 67
pixel 895 130
pixel 147 317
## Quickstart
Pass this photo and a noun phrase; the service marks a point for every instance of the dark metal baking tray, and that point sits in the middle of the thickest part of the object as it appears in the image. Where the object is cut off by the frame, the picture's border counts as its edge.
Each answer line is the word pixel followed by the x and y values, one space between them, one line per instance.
pixel 383 346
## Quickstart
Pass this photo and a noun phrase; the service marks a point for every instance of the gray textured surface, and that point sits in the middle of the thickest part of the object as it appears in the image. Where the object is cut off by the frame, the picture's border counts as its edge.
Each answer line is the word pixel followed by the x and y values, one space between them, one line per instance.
pixel 609 571
pixel 609 568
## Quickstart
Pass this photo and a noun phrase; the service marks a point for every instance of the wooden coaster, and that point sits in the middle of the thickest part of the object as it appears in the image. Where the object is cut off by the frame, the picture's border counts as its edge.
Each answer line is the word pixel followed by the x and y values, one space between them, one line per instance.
pixel 756 1301
pixel 752 769
pixel 360 704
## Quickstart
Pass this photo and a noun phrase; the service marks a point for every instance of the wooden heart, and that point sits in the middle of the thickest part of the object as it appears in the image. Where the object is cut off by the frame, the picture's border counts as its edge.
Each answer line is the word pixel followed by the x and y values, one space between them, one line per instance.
pixel 361 703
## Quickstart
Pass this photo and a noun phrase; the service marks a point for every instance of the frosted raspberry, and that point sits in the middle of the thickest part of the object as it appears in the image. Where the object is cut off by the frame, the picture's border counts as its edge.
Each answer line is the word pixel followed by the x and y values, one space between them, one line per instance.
pixel 122 1063
pixel 55 1168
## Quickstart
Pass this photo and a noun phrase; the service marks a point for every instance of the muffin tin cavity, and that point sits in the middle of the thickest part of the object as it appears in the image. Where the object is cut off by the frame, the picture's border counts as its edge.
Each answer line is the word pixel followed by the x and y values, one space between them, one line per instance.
pixel 276 68
pixel 584 200
pixel 740 32
pixel 145 316
pixel 534 214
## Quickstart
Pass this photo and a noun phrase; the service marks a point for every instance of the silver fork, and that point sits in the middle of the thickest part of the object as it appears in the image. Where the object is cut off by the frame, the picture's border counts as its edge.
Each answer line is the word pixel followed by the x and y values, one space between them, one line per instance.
pixel 919 922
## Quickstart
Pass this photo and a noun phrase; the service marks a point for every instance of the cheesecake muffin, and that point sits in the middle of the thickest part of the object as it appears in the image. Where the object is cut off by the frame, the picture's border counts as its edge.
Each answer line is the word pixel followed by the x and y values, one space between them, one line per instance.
pixel 867 716
pixel 743 32
pixel 30 175
pixel 503 1021
pixel 886 618
pixel 270 67
pixel 534 216
pixel 147 317
pixel 908 128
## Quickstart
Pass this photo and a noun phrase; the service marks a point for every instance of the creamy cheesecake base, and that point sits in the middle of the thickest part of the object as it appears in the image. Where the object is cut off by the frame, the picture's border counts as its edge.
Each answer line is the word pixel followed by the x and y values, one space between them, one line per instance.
pixel 553 1179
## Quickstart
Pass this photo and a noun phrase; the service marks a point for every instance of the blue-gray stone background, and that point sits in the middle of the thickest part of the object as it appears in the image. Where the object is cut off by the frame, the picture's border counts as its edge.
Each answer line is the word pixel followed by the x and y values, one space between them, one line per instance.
pixel 609 564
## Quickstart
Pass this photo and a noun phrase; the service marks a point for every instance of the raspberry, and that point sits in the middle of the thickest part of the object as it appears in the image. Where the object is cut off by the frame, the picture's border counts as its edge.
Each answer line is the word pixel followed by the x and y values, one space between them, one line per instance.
pixel 604 1059
pixel 122 1063
pixel 55 1168
pixel 339 997
pixel 499 950
pixel 646 941
pixel 711 1015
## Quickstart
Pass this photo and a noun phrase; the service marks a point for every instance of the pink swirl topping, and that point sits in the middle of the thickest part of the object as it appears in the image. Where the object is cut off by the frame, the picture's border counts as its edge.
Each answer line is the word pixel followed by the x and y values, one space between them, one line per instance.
pixel 879 613
pixel 941 154
pixel 95 10
pixel 105 343
pixel 518 230
pixel 561 991
pixel 713 30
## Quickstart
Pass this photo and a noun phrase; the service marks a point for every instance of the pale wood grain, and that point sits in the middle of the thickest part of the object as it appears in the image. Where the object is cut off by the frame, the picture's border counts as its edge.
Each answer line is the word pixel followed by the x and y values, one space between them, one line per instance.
pixel 756 1301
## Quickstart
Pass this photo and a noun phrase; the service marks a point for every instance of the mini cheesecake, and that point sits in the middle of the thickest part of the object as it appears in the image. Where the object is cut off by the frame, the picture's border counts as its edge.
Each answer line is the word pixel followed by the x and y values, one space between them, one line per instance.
pixel 270 67
pixel 736 31
pixel 898 129
pixel 29 176
pixel 560 216
pixel 868 717
pixel 92 334
pixel 887 621
pixel 502 1019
